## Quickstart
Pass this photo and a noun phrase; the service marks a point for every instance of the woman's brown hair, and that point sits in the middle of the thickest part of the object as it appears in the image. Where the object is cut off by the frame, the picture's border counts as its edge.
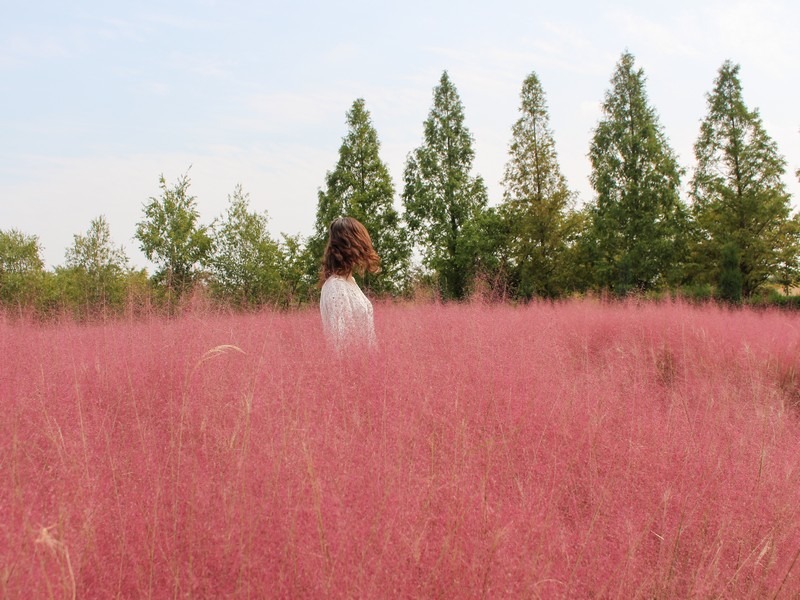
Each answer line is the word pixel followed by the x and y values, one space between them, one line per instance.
pixel 349 248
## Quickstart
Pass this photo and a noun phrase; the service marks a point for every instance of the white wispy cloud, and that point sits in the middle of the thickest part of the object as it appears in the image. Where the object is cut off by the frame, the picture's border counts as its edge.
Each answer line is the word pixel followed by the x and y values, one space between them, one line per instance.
pixel 675 35
pixel 764 32
pixel 19 50
pixel 282 111
pixel 207 66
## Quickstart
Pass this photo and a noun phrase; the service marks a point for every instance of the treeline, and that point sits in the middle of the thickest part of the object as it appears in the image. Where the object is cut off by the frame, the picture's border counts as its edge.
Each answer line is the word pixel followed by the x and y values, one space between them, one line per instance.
pixel 734 237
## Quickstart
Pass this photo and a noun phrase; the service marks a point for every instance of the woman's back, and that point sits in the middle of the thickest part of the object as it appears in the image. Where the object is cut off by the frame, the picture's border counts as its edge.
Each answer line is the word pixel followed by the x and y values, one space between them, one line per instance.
pixel 347 316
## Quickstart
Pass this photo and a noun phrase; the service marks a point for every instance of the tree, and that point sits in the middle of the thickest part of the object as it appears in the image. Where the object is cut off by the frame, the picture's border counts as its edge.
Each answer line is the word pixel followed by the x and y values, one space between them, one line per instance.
pixel 729 286
pixel 95 252
pixel 299 271
pixel 440 196
pixel 738 193
pixel 96 266
pixel 537 202
pixel 787 274
pixel 485 238
pixel 244 265
pixel 360 186
pixel 21 268
pixel 639 224
pixel 19 253
pixel 171 237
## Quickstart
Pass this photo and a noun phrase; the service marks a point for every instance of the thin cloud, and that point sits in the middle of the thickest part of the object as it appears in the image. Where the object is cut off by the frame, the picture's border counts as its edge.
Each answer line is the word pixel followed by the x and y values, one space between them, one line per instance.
pixel 343 53
pixel 765 32
pixel 205 66
pixel 20 50
pixel 286 111
pixel 180 21
pixel 661 35
pixel 116 28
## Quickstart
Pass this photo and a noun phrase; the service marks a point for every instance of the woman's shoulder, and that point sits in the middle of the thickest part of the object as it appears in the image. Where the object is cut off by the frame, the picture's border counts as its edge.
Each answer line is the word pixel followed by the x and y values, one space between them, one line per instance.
pixel 338 280
pixel 335 283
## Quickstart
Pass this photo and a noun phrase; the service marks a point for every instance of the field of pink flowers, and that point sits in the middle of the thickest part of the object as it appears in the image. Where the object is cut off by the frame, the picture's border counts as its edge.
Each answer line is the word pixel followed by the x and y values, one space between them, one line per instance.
pixel 576 450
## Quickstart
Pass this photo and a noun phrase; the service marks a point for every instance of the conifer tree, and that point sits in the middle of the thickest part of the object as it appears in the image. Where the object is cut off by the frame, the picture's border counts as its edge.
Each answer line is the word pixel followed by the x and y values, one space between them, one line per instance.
pixel 360 186
pixel 638 222
pixel 440 195
pixel 537 202
pixel 739 195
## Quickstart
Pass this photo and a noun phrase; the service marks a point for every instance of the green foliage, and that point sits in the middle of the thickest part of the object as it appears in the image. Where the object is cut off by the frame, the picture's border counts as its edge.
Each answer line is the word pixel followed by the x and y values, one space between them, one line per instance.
pixel 360 186
pixel 73 291
pixel 485 239
pixel 95 279
pixel 245 263
pixel 21 268
pixel 787 272
pixel 440 196
pixel 774 299
pixel 639 224
pixel 730 277
pixel 537 202
pixel 738 192
pixel 695 292
pixel 94 252
pixel 95 268
pixel 171 237
pixel 580 257
pixel 298 271
pixel 19 253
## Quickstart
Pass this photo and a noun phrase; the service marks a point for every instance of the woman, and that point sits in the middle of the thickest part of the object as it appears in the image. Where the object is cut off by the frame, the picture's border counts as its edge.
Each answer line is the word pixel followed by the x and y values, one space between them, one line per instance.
pixel 346 311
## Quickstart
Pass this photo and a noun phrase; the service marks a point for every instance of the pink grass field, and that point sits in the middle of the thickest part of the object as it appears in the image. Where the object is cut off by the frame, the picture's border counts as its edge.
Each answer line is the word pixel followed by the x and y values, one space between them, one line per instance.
pixel 575 450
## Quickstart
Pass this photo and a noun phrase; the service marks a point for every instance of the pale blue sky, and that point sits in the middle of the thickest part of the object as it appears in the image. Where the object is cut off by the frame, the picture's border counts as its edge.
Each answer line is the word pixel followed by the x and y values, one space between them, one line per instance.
pixel 97 99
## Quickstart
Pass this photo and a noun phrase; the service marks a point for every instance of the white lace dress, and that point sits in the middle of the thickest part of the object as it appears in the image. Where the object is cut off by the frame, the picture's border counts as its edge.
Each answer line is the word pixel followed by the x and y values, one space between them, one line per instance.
pixel 346 314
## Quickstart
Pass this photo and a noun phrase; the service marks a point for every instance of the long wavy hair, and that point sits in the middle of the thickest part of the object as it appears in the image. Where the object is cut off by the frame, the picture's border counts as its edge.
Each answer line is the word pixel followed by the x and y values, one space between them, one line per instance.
pixel 349 249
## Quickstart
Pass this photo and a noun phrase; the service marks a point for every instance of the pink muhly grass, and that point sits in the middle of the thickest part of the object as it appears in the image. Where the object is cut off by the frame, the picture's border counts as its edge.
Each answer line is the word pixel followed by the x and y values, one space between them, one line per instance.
pixel 555 450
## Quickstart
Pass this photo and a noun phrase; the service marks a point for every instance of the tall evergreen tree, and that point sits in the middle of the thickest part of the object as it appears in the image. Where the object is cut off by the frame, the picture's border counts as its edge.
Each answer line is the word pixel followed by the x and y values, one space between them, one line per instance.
pixel 638 225
pixel 739 196
pixel 440 195
pixel 360 186
pixel 537 201
pixel 245 262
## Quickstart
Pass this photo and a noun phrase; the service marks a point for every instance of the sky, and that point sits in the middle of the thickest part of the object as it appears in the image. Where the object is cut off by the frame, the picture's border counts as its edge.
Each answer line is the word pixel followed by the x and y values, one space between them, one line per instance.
pixel 99 99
